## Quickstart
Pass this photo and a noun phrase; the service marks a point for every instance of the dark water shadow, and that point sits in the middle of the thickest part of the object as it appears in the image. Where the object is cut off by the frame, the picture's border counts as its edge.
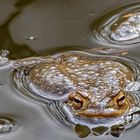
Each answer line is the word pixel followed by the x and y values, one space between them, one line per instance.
pixel 22 50
pixel 21 3
pixel 6 41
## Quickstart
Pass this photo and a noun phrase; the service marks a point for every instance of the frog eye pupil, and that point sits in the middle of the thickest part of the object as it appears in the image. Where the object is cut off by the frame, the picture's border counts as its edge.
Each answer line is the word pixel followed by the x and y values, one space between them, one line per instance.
pixel 121 99
pixel 77 101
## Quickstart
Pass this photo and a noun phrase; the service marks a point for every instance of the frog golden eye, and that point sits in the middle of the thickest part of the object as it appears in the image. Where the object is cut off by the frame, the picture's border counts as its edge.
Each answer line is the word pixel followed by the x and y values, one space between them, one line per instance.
pixel 77 102
pixel 120 98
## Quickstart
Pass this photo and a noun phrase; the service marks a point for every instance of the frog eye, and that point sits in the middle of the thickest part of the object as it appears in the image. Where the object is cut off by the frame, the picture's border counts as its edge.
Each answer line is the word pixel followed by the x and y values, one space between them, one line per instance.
pixel 120 99
pixel 76 102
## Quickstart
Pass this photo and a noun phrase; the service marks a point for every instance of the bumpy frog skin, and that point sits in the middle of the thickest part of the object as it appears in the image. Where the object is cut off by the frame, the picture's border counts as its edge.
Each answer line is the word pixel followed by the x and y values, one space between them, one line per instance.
pixel 86 88
pixel 95 87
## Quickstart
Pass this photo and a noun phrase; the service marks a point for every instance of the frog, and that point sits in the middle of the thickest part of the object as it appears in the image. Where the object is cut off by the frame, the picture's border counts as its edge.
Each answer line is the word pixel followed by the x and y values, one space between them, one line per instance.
pixel 95 87
pixel 81 88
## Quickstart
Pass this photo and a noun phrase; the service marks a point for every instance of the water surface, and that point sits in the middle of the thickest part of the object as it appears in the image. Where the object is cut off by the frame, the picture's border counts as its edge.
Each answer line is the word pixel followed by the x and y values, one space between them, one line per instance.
pixel 36 28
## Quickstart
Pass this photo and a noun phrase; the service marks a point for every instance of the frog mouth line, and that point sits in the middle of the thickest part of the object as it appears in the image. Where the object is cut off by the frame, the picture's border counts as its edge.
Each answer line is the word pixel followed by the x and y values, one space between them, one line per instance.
pixel 104 113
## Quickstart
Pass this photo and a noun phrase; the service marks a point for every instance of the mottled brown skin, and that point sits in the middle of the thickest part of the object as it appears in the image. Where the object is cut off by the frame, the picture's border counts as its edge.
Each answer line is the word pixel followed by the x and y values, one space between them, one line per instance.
pixel 83 106
pixel 98 83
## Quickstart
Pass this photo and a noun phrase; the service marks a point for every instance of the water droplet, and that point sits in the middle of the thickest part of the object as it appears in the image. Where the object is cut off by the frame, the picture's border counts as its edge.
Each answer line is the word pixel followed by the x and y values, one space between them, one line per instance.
pixel 31 38
pixel 119 28
pixel 7 124
pixel 92 14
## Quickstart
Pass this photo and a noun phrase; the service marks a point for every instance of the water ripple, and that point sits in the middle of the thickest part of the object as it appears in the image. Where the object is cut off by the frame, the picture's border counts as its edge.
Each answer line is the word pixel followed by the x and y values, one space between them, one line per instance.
pixel 7 124
pixel 120 27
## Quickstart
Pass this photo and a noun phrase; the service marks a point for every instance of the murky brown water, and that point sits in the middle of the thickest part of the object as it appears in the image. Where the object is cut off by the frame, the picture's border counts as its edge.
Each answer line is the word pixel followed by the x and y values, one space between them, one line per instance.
pixel 32 28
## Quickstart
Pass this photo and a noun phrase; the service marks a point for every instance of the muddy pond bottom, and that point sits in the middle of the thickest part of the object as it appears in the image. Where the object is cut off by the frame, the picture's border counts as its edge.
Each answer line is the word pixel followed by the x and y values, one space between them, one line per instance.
pixel 88 92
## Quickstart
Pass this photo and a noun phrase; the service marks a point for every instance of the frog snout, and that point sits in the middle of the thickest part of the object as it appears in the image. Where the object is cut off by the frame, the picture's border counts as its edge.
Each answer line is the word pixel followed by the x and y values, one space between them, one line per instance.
pixel 98 105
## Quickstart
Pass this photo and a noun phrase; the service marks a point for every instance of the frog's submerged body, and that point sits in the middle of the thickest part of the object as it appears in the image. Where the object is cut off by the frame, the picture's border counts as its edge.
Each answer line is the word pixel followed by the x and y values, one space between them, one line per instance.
pixel 95 87
pixel 85 87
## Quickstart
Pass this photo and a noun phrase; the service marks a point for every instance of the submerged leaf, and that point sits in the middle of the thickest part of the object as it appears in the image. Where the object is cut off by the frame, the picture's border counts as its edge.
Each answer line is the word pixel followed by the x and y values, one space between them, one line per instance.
pixel 82 130
pixel 117 130
pixel 100 130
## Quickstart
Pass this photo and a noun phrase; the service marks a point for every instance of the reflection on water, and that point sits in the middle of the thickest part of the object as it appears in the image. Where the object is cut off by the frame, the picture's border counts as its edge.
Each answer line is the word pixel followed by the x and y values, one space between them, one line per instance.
pixel 119 28
pixel 126 28
pixel 7 124
pixel 6 40
pixel 97 95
